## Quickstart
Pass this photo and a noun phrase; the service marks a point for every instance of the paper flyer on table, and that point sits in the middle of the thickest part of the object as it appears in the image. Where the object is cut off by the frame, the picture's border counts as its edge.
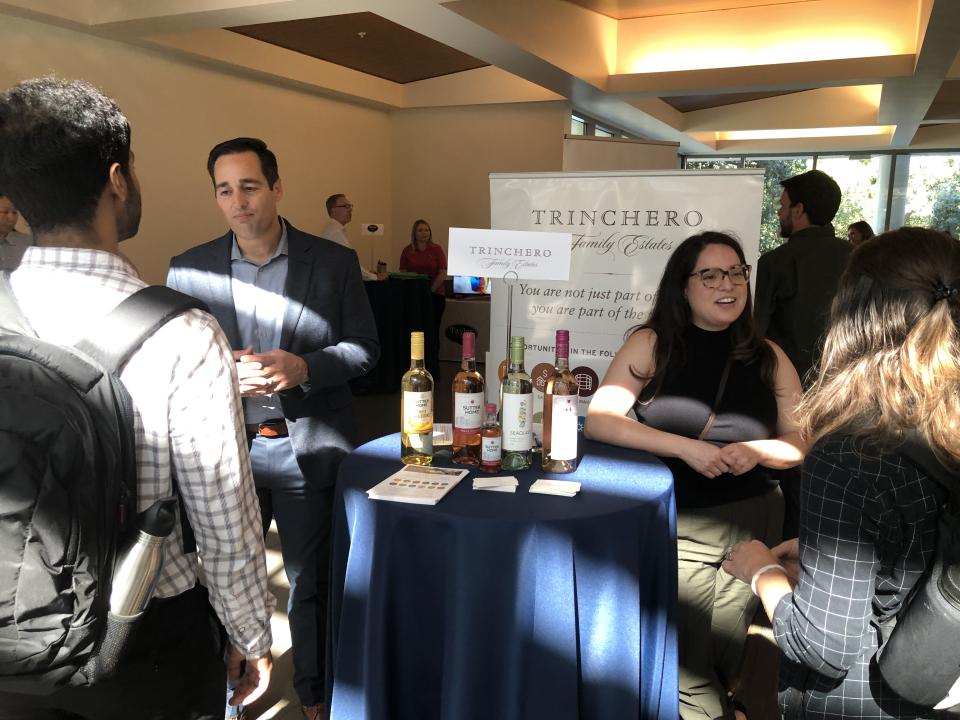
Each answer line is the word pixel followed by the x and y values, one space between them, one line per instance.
pixel 418 484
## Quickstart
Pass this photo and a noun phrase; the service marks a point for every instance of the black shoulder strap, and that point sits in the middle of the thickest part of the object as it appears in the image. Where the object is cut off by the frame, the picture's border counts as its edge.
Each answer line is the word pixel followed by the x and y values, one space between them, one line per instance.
pixel 711 418
pixel 123 331
pixel 129 323
pixel 133 321
pixel 118 335
pixel 916 450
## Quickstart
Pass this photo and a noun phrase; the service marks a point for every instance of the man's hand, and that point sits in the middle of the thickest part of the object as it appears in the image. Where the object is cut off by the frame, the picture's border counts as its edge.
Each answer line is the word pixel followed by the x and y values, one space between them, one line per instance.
pixel 251 675
pixel 237 354
pixel 269 372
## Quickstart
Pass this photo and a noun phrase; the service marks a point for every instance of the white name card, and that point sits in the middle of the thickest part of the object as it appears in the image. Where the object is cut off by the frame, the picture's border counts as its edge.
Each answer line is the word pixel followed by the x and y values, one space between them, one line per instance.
pixel 508 253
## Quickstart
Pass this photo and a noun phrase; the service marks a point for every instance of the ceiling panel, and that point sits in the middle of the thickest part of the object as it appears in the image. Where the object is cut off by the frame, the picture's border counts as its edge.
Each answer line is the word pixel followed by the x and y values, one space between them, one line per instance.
pixel 366 42
pixel 688 103
pixel 946 104
pixel 630 9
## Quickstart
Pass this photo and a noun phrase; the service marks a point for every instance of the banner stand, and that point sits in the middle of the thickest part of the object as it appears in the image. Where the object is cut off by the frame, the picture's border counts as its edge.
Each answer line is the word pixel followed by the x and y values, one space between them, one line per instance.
pixel 509 279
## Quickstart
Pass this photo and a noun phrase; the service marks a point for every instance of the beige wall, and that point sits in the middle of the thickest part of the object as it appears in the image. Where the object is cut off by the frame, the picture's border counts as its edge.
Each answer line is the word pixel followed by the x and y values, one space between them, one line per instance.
pixel 586 153
pixel 442 158
pixel 179 110
pixel 396 166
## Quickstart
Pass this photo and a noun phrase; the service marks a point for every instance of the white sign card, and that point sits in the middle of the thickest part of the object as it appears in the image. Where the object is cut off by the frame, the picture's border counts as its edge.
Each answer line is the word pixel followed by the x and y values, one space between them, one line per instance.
pixel 623 227
pixel 509 253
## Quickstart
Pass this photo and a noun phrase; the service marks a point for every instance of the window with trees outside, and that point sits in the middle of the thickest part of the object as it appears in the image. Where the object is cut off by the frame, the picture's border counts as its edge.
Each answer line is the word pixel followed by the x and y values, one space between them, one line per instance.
pixel 933 193
pixel 887 190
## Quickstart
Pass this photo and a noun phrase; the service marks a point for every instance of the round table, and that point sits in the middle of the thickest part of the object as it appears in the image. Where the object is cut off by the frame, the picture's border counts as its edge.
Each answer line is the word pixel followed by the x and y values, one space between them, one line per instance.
pixel 494 605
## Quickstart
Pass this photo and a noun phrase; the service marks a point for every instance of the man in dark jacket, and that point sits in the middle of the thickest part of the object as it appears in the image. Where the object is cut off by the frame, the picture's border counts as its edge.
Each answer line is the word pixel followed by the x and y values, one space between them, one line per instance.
pixel 797 281
pixel 295 312
pixel 795 286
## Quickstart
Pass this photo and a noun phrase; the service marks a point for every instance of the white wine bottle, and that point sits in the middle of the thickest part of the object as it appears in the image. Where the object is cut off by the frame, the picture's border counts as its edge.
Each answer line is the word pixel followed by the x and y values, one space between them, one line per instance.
pixel 416 408
pixel 560 410
pixel 467 406
pixel 517 411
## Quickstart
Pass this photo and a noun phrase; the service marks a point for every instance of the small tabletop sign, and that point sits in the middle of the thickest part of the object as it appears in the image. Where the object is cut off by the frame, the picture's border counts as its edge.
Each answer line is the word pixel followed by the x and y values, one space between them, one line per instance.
pixel 418 484
pixel 495 253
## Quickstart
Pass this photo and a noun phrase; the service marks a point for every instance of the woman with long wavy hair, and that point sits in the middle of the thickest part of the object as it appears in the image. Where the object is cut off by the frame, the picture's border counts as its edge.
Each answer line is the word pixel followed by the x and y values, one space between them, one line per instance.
pixel 889 378
pixel 716 403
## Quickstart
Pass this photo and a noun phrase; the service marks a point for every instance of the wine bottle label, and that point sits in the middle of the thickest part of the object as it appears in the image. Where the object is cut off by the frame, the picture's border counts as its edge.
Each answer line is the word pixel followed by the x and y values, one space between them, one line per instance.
pixel 517 422
pixel 467 412
pixel 563 431
pixel 417 411
pixel 490 451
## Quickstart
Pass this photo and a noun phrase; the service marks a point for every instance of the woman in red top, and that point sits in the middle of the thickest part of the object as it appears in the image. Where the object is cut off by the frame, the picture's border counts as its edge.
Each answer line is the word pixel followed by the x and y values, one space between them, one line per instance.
pixel 422 255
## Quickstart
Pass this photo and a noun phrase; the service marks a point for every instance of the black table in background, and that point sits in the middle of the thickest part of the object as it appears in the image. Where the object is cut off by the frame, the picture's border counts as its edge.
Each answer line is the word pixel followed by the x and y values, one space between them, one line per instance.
pixel 399 308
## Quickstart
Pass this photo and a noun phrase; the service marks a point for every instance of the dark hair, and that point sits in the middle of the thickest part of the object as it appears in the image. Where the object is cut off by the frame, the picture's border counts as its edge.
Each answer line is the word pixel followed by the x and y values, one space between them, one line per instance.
pixel 58 141
pixel 332 201
pixel 413 231
pixel 268 161
pixel 818 192
pixel 862 227
pixel 671 316
pixel 891 358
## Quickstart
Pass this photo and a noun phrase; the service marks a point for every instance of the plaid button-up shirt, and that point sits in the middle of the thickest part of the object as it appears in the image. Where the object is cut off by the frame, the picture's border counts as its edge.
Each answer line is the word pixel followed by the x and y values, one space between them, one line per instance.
pixel 187 419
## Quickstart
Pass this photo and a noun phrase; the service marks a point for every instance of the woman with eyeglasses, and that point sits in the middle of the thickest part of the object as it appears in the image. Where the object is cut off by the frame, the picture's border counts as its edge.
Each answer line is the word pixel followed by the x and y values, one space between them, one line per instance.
pixel 716 403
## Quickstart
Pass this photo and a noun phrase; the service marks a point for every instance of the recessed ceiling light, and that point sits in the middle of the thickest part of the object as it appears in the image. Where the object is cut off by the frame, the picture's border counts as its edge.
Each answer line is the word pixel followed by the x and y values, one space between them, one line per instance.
pixel 785 133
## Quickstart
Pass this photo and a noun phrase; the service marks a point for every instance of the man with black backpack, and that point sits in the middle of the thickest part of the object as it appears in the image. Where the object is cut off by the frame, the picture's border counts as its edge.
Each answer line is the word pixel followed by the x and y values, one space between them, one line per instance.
pixel 65 157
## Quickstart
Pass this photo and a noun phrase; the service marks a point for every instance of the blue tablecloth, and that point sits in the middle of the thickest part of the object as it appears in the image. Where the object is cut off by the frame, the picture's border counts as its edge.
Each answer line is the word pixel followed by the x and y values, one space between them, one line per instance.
pixel 500 606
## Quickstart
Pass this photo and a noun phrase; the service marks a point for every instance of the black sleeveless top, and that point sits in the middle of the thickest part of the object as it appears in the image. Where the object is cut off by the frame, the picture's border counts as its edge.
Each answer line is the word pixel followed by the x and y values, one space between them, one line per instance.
pixel 747 411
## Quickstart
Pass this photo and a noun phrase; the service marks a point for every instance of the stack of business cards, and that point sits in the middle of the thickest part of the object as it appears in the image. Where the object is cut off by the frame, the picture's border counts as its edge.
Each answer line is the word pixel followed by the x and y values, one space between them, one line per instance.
pixel 566 488
pixel 507 483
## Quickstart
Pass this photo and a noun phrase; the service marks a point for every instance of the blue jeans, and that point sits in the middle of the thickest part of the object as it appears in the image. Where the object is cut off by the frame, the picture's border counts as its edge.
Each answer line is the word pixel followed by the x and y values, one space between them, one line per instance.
pixel 303 514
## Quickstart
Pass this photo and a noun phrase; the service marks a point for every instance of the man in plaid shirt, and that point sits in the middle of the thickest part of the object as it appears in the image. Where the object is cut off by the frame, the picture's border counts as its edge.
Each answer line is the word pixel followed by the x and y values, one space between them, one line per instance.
pixel 65 155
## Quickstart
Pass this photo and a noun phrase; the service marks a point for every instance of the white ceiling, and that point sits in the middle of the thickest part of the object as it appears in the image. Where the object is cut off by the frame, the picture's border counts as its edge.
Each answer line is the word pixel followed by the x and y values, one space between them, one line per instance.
pixel 738 75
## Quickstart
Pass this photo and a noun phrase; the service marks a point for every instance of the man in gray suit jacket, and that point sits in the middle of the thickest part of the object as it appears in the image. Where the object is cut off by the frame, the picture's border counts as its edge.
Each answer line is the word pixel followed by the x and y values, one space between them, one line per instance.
pixel 295 311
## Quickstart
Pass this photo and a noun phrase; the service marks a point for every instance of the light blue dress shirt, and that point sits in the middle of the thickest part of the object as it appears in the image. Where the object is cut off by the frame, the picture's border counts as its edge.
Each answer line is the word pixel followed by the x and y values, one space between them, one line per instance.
pixel 260 304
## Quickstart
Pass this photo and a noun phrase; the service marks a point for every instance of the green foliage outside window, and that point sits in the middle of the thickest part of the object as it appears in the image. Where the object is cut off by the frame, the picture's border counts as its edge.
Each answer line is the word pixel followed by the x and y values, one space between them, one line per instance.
pixel 937 201
pixel 777 169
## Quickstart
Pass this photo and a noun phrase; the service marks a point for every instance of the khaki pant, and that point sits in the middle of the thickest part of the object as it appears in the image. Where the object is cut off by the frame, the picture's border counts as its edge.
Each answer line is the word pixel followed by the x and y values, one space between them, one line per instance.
pixel 714 609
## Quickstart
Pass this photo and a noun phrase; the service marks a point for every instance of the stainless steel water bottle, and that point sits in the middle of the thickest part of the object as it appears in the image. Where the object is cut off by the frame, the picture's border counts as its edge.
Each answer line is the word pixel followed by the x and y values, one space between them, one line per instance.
pixel 135 576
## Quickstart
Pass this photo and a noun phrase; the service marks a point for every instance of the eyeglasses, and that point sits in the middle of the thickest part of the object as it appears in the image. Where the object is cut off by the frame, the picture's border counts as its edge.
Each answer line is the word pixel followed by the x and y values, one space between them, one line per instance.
pixel 348 206
pixel 711 277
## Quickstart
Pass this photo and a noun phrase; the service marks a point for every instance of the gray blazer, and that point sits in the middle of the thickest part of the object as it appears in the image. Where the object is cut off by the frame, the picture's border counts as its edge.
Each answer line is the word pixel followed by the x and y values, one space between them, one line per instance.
pixel 328 322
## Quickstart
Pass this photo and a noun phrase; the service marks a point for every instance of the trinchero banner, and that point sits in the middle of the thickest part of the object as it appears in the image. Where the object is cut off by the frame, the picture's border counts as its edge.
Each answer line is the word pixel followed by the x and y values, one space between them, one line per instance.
pixel 623 228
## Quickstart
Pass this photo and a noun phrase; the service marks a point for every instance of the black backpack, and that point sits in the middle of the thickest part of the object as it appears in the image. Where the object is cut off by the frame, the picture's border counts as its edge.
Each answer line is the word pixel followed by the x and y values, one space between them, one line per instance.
pixel 920 659
pixel 68 491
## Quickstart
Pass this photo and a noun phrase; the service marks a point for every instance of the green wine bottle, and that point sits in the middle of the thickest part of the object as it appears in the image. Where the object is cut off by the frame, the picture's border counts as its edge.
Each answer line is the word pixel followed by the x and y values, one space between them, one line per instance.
pixel 517 411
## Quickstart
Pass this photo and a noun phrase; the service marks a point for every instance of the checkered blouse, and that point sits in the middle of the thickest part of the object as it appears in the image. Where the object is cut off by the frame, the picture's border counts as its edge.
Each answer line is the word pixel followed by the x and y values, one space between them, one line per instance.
pixel 868 530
